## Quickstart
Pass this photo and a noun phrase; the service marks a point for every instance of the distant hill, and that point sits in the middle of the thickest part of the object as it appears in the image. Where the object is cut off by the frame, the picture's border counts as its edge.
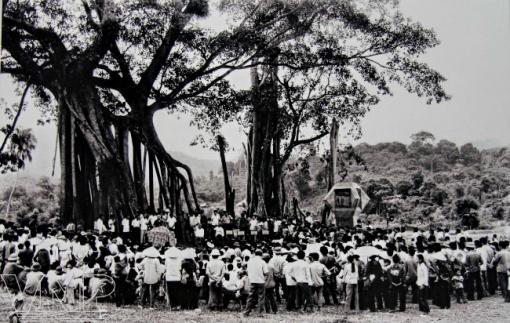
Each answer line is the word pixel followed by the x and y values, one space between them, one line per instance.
pixel 199 167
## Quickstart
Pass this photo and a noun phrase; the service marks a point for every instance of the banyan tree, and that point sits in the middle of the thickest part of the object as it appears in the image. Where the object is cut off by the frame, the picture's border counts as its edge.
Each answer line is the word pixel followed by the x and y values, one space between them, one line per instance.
pixel 109 67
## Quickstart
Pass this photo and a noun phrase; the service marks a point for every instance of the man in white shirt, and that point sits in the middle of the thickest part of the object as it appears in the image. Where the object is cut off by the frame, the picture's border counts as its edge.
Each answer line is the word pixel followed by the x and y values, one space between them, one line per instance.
pixel 125 228
pixel 215 219
pixel 422 281
pixel 111 225
pixel 135 231
pixel 144 225
pixel 171 220
pixel 257 271
pixel 99 226
pixel 301 274
pixel 194 220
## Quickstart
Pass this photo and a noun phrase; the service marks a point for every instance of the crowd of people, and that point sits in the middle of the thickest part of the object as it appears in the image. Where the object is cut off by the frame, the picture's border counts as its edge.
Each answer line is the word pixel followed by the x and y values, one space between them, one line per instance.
pixel 252 264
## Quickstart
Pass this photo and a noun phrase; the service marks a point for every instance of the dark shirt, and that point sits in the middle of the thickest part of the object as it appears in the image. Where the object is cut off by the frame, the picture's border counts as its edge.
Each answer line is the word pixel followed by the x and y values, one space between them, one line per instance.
pixel 25 257
pixel 374 268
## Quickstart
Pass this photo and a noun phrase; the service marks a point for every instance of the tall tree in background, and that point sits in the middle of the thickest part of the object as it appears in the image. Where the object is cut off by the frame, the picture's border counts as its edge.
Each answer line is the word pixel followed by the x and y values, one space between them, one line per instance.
pixel 344 56
pixel 229 192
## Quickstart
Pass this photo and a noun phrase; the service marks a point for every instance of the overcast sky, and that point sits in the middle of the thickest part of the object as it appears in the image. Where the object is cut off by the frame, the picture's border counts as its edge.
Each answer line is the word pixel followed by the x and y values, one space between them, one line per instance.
pixel 474 55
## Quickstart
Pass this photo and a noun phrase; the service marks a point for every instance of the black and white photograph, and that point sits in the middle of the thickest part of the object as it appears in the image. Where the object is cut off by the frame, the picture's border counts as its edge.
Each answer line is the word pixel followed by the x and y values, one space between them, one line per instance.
pixel 329 161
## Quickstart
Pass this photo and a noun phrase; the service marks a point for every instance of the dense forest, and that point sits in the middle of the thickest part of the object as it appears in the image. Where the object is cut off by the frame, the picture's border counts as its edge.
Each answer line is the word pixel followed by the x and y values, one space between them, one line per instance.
pixel 426 181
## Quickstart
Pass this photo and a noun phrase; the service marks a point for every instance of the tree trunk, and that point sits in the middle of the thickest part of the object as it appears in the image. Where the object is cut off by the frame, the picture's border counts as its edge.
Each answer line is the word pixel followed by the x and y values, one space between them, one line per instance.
pixel 229 192
pixel 139 173
pixel 152 207
pixel 333 139
pixel 85 132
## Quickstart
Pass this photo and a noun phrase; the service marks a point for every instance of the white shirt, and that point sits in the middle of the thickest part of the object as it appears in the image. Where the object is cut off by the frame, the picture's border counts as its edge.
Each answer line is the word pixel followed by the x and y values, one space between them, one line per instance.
pixel 135 223
pixel 300 270
pixel 257 269
pixel 111 224
pixel 253 224
pixel 153 219
pixel 143 224
pixel 218 231
pixel 172 269
pixel 125 225
pixel 287 271
pixel 423 275
pixel 199 233
pixel 277 224
pixel 171 220
pixel 215 219
pixel 350 276
pixel 99 226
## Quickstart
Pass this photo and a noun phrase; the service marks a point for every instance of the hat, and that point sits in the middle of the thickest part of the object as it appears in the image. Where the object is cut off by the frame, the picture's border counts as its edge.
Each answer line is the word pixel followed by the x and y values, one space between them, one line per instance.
pixel 172 252
pixel 470 245
pixel 151 252
pixel 215 252
pixel 266 256
pixel 277 250
pixel 13 257
pixel 36 266
pixel 210 245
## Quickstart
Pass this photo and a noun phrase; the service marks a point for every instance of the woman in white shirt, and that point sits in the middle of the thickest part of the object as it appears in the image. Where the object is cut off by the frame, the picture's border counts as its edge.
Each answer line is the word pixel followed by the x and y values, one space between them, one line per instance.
pixel 351 277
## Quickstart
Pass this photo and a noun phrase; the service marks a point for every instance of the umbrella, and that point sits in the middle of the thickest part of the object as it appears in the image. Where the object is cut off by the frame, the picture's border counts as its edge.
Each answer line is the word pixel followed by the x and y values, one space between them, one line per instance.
pixel 188 253
pixel 366 251
pixel 313 247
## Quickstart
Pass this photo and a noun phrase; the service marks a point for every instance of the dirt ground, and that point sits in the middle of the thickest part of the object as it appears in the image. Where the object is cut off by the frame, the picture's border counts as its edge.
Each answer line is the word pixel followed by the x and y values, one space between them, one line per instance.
pixel 491 309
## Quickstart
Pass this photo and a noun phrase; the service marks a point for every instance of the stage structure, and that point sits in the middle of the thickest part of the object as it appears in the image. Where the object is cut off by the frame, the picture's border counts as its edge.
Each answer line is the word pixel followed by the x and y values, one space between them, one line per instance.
pixel 346 200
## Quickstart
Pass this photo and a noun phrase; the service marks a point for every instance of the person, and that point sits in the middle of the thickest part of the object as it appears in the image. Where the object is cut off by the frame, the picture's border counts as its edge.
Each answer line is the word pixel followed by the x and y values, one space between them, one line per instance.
pixel 277 263
pixel 56 282
pixel 257 271
pixel 135 230
pixel 26 255
pixel 36 281
pixel 374 273
pixel 173 276
pixel 290 283
pixel 502 263
pixel 119 274
pixel 329 290
pixel 318 272
pixel 350 278
pixel 473 263
pixel 215 270
pixel 270 284
pixel 411 265
pixel 126 234
pixel 171 221
pixel 11 271
pixel 99 226
pixel 151 270
pixel 73 281
pixel 301 274
pixel 396 277
pixel 458 286
pixel 422 282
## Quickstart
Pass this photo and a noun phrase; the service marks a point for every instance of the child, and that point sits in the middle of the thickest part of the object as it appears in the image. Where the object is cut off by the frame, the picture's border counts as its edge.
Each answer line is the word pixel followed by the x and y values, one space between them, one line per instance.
pixel 458 286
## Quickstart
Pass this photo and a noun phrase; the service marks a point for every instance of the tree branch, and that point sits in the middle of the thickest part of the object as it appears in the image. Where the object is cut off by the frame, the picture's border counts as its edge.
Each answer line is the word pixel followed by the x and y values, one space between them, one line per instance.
pixel 149 76
pixel 10 130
